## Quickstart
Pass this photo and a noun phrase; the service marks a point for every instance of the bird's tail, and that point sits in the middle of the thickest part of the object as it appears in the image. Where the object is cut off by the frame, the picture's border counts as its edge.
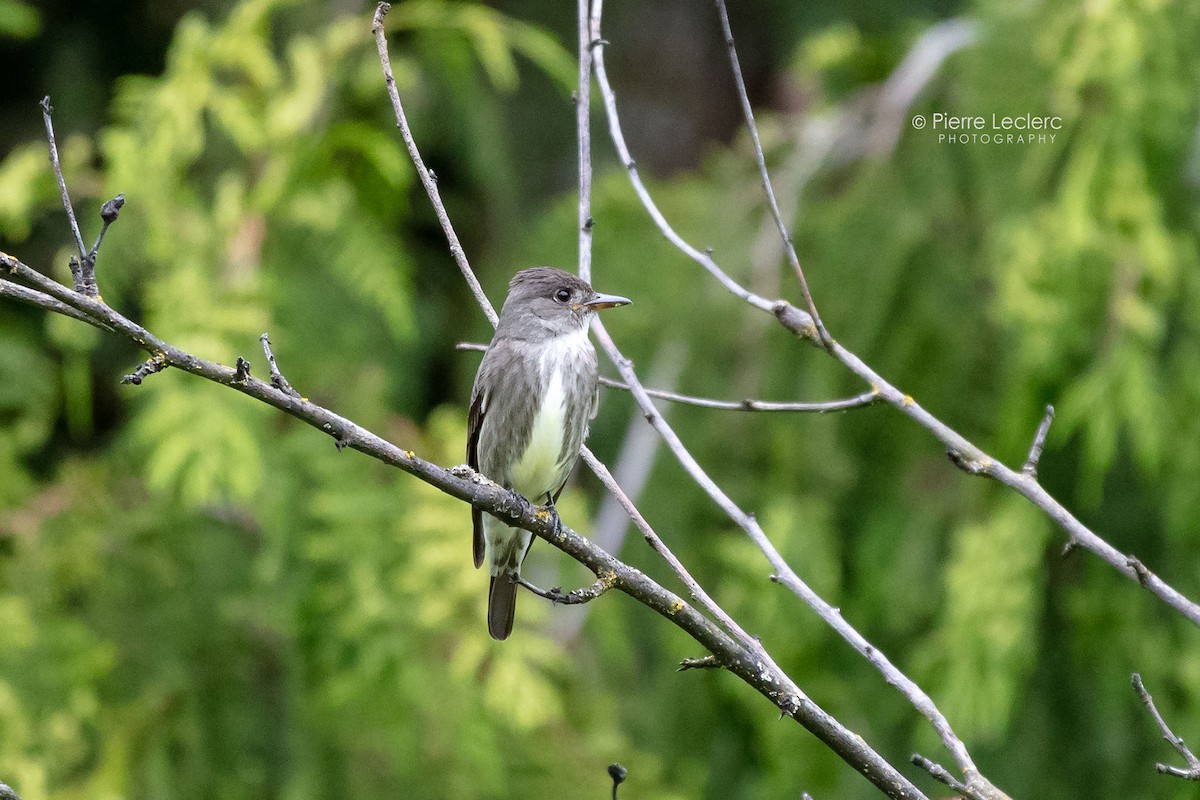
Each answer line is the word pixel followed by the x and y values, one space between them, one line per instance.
pixel 502 603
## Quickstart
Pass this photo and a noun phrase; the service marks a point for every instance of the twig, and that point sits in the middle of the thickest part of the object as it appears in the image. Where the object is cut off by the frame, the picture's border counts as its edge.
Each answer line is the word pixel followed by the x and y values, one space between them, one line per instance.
pixel 630 473
pixel 574 597
pixel 801 323
pixel 1039 441
pixel 1192 773
pixel 465 484
pixel 704 259
pixel 427 178
pixel 702 662
pixel 659 546
pixel 597 466
pixel 787 576
pixel 108 215
pixel 583 99
pixel 852 748
pixel 740 82
pixel 823 407
pixel 459 482
pixel 277 379
pixel 156 363
pixel 964 453
pixel 942 774
pixel 617 773
pixel 35 298
pixel 241 370
pixel 818 407
pixel 62 183
pixel 625 367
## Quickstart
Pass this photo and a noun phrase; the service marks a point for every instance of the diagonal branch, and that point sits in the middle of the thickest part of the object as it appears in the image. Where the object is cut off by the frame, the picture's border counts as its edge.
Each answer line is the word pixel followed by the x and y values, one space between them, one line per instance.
pixel 58 175
pixel 962 452
pixel 785 575
pixel 460 482
pixel 427 178
pixel 41 300
pixel 431 189
pixel 1192 773
pixel 464 484
pixel 277 379
pixel 783 572
pixel 703 258
pixel 748 113
pixel 940 773
pixel 864 759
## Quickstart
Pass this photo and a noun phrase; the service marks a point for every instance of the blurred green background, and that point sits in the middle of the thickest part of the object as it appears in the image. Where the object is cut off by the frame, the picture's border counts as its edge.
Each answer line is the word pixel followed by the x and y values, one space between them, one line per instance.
pixel 201 598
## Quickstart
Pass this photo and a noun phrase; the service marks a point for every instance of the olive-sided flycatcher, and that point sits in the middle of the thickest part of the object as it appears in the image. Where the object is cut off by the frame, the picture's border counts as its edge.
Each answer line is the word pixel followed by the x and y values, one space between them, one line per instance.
pixel 534 395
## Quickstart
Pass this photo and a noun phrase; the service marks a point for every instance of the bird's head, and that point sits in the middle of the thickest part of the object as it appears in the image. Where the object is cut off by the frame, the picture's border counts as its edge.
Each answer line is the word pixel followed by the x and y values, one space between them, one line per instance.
pixel 545 302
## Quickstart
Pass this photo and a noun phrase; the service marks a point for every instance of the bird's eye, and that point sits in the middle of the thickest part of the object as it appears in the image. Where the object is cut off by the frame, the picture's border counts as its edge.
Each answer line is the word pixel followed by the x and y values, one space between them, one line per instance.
pixel 562 295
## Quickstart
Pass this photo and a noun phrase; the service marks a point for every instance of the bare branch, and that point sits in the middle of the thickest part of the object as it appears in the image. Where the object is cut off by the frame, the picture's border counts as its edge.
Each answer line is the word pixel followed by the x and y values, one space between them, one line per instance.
pixel 889 114
pixel 277 379
pixel 819 407
pixel 583 98
pixel 702 662
pixel 788 697
pixel 785 575
pixel 704 259
pixel 1039 441
pixel 1192 773
pixel 573 597
pixel 35 298
pixel 463 483
pixel 460 482
pixel 593 463
pixel 659 546
pixel 823 407
pixel 940 773
pixel 630 473
pixel 963 453
pixel 155 363
pixel 803 324
pixel 62 183
pixel 748 113
pixel 585 49
pixel 427 178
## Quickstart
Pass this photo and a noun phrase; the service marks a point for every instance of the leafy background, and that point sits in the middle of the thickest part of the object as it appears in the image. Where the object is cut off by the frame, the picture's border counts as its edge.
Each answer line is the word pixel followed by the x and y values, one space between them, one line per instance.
pixel 200 598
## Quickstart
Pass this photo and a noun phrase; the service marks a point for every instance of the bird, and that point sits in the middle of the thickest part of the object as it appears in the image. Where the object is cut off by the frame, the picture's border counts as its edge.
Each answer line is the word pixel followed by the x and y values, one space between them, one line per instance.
pixel 534 396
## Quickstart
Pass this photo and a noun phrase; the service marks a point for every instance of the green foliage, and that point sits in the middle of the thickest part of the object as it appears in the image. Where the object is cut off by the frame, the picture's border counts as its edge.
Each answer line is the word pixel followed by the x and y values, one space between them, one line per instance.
pixel 981 656
pixel 18 20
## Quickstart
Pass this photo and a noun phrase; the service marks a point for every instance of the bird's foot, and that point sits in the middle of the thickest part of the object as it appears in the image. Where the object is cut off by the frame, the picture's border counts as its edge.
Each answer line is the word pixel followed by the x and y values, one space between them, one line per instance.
pixel 556 525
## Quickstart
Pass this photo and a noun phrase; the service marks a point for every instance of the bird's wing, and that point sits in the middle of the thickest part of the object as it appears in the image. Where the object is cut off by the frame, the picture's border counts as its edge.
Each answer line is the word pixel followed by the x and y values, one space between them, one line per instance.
pixel 474 426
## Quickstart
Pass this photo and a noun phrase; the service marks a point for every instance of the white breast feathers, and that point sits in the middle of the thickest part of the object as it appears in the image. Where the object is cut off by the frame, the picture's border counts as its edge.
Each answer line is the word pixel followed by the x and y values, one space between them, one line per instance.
pixel 540 468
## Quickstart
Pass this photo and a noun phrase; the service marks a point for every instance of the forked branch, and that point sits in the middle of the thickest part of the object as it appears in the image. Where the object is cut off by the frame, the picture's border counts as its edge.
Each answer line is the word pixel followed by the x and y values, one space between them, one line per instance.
pixel 1192 771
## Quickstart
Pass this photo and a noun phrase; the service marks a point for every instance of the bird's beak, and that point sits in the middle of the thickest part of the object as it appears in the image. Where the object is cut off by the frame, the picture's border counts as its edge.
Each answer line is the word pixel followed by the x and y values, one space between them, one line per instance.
pixel 599 302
